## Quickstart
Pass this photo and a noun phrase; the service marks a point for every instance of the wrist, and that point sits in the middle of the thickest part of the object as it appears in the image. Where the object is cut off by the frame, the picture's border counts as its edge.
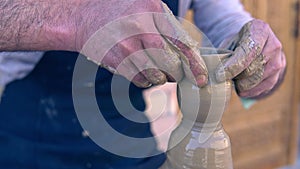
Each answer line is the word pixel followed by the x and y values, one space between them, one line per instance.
pixel 88 18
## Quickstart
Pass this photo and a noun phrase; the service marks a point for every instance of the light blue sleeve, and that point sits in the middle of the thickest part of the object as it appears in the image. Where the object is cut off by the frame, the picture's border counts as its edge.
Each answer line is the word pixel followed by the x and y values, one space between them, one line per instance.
pixel 16 65
pixel 219 19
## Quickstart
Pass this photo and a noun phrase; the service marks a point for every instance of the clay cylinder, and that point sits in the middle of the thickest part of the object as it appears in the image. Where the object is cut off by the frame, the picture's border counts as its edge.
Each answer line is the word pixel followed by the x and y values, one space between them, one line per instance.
pixel 200 142
pixel 211 100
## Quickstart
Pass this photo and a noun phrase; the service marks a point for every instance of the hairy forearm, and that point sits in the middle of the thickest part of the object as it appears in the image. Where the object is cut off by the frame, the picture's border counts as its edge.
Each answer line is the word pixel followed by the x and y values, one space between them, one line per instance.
pixel 38 25
pixel 58 24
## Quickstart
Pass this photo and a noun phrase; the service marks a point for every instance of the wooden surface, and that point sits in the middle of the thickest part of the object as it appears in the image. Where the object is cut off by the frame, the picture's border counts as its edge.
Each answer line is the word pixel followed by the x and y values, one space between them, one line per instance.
pixel 266 135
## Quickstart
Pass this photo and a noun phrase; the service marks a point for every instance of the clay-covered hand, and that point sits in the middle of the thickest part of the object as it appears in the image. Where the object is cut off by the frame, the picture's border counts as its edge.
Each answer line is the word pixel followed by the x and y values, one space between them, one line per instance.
pixel 258 63
pixel 149 45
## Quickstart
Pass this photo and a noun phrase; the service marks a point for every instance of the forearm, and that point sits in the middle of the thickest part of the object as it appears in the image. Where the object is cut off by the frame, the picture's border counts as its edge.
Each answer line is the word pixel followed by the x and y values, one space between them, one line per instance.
pixel 37 25
pixel 59 24
pixel 220 19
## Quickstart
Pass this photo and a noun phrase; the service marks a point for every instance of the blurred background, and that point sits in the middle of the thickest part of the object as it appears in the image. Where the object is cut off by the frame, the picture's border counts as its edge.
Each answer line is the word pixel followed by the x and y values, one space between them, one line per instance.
pixel 265 136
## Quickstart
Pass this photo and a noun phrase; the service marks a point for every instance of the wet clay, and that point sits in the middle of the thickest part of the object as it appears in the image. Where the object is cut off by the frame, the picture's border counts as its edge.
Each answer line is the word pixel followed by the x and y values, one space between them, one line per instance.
pixel 211 98
pixel 206 145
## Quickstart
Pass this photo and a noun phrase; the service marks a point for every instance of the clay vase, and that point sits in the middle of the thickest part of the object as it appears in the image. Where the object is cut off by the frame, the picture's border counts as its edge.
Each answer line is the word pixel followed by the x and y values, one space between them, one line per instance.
pixel 200 142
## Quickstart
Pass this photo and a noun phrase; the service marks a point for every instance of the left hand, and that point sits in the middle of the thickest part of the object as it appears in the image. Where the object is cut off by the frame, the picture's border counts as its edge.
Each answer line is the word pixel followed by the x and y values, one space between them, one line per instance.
pixel 258 63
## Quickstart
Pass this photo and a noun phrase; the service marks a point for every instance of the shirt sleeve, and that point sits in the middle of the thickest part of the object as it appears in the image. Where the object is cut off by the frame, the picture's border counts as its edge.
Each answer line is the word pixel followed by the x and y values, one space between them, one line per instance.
pixel 219 19
pixel 16 65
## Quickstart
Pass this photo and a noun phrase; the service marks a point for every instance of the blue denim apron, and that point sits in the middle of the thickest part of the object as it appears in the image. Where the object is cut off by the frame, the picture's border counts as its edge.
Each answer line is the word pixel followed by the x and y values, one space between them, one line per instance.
pixel 39 128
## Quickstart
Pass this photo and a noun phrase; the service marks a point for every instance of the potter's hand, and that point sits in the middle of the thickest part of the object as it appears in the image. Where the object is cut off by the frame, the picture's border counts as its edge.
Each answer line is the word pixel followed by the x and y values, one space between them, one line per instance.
pixel 69 25
pixel 258 63
pixel 134 57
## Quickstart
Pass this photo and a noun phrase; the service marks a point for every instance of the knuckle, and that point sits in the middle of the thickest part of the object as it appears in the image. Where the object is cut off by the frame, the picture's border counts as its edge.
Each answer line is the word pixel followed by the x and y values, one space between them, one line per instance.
pixel 155 43
pixel 140 81
pixel 277 44
pixel 283 61
pixel 152 5
pixel 276 66
pixel 156 3
pixel 281 65
pixel 261 23
pixel 127 46
pixel 155 76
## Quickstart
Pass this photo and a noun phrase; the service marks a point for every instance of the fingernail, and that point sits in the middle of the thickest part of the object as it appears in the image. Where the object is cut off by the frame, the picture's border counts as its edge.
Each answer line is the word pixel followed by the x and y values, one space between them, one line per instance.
pixel 158 80
pixel 202 80
pixel 142 84
pixel 147 84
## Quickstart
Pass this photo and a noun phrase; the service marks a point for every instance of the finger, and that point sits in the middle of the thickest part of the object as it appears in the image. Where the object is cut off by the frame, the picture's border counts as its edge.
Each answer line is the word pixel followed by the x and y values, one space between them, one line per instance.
pixel 251 76
pixel 253 37
pixel 275 61
pixel 136 55
pixel 275 64
pixel 273 46
pixel 147 68
pixel 122 65
pixel 140 81
pixel 263 88
pixel 193 65
pixel 255 67
pixel 164 57
pixel 127 69
pixel 249 82
pixel 258 70
pixel 274 56
pixel 278 83
pixel 155 76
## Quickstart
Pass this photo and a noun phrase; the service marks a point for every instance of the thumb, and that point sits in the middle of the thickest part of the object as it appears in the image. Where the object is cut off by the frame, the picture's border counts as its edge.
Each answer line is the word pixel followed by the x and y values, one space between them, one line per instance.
pixel 192 63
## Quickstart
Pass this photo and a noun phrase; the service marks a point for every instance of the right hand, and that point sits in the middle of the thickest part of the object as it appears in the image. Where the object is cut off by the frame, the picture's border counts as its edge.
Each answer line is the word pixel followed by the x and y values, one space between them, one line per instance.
pixel 258 63
pixel 180 56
